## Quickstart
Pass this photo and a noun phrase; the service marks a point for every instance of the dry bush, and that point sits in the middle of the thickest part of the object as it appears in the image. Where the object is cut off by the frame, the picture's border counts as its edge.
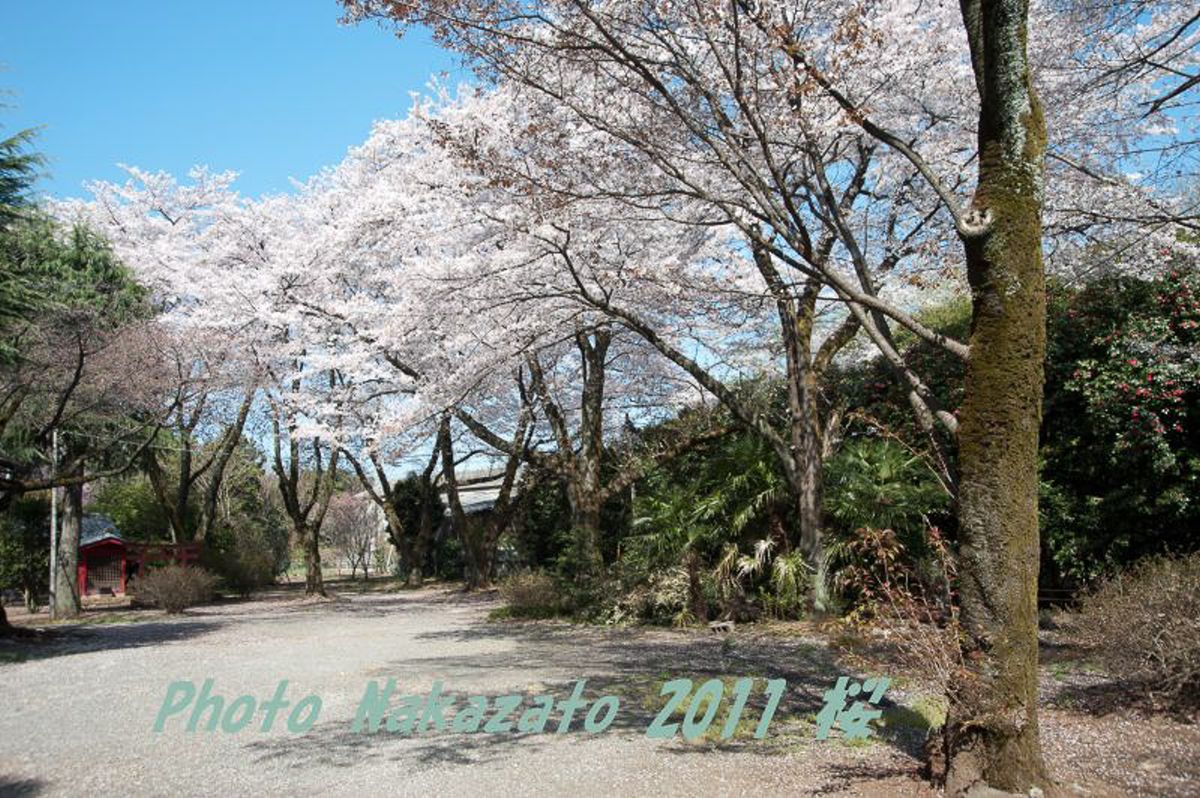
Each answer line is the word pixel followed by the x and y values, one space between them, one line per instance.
pixel 174 588
pixel 912 623
pixel 1143 626
pixel 531 594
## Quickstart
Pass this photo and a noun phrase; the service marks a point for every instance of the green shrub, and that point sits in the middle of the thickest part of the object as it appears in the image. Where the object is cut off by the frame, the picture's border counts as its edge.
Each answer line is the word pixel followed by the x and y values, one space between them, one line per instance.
pixel 1142 627
pixel 25 549
pixel 174 588
pixel 246 568
pixel 661 597
pixel 531 594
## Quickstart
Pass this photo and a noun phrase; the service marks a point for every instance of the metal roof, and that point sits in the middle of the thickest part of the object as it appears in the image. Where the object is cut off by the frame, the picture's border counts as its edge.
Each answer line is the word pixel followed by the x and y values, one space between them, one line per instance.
pixel 96 528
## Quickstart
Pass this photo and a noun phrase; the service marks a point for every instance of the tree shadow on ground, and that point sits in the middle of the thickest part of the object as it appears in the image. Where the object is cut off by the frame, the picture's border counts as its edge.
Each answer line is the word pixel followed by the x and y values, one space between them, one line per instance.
pixel 841 778
pixel 13 787
pixel 78 639
pixel 1098 695
pixel 630 663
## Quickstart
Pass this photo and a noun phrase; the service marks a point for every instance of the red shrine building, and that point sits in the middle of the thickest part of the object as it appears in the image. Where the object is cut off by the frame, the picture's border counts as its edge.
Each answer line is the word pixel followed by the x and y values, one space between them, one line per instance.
pixel 107 561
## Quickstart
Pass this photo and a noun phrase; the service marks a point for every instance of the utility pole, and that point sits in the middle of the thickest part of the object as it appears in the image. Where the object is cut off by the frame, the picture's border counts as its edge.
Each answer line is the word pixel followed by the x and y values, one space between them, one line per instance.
pixel 53 519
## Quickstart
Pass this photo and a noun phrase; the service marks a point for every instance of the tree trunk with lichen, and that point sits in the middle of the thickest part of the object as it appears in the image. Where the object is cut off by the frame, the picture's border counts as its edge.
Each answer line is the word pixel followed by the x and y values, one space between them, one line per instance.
pixel 992 732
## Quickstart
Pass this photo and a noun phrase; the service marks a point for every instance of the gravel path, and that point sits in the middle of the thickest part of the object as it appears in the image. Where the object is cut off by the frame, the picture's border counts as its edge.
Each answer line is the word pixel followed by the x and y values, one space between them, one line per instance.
pixel 79 710
pixel 79 713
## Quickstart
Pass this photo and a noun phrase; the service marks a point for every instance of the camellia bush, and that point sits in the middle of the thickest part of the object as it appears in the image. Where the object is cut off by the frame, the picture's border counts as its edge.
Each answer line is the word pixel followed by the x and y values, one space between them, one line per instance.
pixel 1121 431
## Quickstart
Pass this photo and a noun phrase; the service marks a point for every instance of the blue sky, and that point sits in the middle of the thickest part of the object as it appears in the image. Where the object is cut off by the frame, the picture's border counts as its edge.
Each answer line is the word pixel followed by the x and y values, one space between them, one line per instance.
pixel 271 88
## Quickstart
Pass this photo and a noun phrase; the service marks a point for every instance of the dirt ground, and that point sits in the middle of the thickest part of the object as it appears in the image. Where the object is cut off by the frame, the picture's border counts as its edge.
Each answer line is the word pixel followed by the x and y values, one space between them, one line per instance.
pixel 80 705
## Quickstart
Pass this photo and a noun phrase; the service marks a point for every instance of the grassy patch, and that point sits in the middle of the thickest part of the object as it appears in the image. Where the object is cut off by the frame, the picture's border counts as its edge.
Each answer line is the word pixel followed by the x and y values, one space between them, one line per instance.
pixel 925 714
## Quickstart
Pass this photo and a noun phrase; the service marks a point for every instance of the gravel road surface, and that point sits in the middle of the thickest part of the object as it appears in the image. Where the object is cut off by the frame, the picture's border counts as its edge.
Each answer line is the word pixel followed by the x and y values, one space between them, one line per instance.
pixel 79 711
pixel 80 706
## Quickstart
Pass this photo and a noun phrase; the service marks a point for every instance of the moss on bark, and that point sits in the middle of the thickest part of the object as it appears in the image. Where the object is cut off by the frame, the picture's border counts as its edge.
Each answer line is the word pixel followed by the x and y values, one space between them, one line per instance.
pixel 992 733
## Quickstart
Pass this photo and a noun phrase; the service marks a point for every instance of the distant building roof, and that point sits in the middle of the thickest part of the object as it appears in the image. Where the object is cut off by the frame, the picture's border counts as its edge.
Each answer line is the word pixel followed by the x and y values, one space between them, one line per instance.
pixel 96 528
pixel 478 488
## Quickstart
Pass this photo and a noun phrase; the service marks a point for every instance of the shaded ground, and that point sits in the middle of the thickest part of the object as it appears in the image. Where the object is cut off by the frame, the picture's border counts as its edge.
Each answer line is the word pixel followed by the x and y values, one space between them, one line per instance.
pixel 79 709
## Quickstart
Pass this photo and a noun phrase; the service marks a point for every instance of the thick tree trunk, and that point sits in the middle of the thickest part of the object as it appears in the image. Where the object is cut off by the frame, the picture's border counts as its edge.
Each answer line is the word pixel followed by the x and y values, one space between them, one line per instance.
pixel 586 531
pixel 585 489
pixel 419 550
pixel 806 492
pixel 65 601
pixel 481 564
pixel 992 731
pixel 474 566
pixel 314 582
pixel 805 432
pixel 807 485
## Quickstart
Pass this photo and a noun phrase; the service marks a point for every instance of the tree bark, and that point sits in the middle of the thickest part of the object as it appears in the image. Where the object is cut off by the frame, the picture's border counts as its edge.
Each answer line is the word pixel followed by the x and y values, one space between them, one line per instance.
pixel 474 558
pixel 65 602
pixel 425 530
pixel 586 489
pixel 216 476
pixel 804 460
pixel 992 732
pixel 585 528
pixel 807 464
pixel 305 507
pixel 314 581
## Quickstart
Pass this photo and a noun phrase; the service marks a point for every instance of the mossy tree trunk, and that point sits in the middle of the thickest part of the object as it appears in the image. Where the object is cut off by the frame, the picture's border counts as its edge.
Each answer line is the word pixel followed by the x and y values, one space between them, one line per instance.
pixel 992 731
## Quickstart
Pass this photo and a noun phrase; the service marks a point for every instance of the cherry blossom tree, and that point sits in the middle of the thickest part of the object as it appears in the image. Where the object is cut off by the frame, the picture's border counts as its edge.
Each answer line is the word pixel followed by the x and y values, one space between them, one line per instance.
pixel 760 111
pixel 441 283
pixel 205 426
pixel 222 268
